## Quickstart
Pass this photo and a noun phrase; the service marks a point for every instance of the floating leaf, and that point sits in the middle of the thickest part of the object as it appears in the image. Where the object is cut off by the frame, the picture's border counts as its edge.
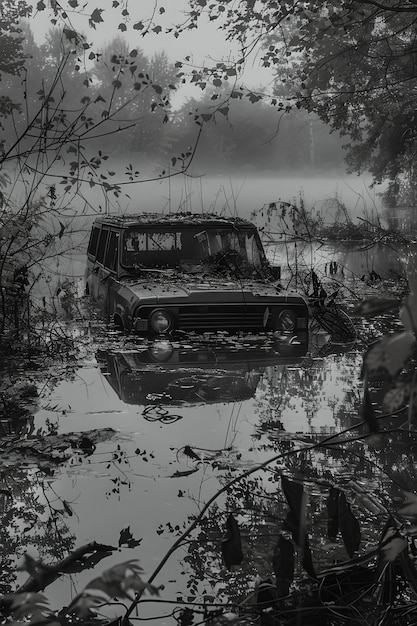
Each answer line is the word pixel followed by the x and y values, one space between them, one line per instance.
pixel 231 545
pixel 190 452
pixel 375 306
pixel 126 538
pixel 180 474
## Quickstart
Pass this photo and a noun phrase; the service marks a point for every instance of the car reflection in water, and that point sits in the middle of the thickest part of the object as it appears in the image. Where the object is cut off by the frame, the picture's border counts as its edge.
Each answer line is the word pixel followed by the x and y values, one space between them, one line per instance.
pixel 165 373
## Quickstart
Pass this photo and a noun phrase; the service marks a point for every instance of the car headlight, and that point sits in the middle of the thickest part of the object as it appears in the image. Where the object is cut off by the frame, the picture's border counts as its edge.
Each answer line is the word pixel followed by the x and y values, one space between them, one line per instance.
pixel 287 320
pixel 160 321
pixel 161 351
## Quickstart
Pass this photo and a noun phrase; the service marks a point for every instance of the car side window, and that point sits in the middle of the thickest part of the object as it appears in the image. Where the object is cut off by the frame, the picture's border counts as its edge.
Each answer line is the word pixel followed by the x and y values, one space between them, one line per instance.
pixel 102 245
pixel 92 246
pixel 111 254
pixel 252 250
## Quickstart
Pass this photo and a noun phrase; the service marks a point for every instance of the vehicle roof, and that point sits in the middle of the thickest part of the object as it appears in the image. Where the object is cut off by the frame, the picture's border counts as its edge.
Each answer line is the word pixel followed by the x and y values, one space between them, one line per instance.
pixel 173 219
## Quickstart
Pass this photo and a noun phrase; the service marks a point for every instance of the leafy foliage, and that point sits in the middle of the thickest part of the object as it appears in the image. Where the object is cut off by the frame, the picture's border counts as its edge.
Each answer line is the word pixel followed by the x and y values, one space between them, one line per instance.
pixel 351 63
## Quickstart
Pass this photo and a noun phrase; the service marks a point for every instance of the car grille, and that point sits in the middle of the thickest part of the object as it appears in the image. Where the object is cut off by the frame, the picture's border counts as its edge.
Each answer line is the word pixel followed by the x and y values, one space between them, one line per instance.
pixel 224 317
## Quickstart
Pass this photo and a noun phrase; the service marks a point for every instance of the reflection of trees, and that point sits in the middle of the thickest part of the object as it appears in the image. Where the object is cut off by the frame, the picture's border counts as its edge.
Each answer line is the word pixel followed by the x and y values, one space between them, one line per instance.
pixel 307 388
pixel 27 522
pixel 258 504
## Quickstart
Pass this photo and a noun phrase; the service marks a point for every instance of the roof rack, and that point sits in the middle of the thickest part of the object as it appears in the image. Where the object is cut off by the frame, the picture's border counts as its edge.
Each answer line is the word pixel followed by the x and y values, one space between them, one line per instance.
pixel 180 219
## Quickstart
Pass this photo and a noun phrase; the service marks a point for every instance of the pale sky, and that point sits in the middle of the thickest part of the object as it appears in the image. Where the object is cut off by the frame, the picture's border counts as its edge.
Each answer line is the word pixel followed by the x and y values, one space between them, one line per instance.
pixel 205 45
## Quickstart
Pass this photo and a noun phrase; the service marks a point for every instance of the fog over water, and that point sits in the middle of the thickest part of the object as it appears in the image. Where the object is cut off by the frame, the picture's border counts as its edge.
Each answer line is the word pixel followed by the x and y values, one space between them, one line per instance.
pixel 234 195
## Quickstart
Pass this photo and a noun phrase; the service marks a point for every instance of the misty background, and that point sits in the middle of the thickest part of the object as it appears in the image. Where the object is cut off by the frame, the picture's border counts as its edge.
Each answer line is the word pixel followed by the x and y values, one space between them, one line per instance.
pixel 250 137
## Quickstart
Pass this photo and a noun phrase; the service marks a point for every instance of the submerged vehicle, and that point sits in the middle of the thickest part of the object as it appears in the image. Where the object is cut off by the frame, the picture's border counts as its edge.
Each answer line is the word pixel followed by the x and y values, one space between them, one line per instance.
pixel 156 274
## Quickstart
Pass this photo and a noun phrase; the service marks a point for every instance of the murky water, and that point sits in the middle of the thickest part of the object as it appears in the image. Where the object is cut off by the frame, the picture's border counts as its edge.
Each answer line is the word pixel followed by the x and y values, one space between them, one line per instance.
pixel 233 405
pixel 232 412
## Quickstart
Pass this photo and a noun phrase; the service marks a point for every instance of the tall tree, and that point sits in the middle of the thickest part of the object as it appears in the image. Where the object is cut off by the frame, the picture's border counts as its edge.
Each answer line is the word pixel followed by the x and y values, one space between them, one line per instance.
pixel 12 57
pixel 153 135
pixel 353 63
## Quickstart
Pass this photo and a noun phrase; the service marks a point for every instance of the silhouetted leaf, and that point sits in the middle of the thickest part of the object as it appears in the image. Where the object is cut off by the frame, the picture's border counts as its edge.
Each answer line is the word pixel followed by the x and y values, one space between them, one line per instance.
pixel 296 498
pixel 24 604
pixel 266 595
pixel 95 17
pixel 349 526
pixel 295 521
pixel 283 565
pixel 231 545
pixel 70 34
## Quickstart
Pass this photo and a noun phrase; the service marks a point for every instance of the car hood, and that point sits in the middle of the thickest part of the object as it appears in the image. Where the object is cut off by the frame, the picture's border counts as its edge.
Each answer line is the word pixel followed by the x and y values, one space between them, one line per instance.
pixel 163 289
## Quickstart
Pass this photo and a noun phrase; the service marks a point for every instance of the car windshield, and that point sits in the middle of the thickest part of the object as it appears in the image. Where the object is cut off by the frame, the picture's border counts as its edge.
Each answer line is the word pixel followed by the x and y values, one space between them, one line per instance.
pixel 220 250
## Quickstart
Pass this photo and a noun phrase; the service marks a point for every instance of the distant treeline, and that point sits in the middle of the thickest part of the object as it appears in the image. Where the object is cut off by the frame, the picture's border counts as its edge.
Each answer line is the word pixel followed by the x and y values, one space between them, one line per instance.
pixel 127 87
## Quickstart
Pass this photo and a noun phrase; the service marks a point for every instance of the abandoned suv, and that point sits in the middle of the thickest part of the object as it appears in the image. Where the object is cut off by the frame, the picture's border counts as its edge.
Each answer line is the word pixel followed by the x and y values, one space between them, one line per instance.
pixel 162 273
